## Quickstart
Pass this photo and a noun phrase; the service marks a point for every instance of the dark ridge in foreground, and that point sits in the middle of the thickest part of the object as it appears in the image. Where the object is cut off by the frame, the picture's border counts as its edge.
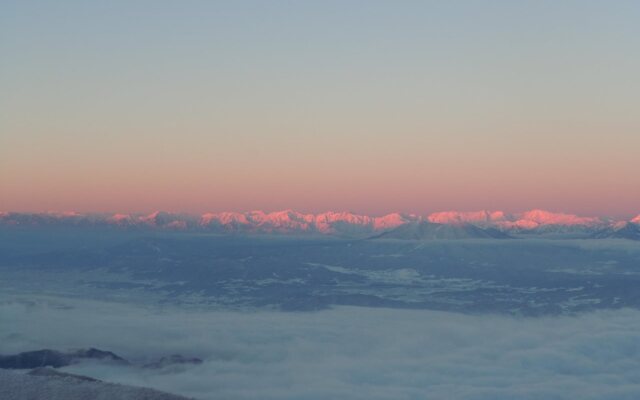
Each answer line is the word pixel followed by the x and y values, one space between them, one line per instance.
pixel 56 359
pixel 49 384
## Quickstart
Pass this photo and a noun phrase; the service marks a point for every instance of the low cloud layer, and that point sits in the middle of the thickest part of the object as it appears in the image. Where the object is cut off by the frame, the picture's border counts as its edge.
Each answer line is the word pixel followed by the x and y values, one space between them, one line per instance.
pixel 346 353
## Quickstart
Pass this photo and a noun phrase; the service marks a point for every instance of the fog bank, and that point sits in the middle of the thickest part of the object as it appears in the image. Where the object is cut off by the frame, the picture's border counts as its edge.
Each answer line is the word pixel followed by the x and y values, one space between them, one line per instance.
pixel 346 353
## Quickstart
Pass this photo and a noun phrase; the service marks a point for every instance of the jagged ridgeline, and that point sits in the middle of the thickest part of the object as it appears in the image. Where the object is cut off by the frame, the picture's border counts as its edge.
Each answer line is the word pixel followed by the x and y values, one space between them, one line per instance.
pixel 441 225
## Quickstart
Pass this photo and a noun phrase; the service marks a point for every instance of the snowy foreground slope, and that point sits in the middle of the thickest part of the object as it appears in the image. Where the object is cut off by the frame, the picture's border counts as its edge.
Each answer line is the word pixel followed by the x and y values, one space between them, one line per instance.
pixel 48 384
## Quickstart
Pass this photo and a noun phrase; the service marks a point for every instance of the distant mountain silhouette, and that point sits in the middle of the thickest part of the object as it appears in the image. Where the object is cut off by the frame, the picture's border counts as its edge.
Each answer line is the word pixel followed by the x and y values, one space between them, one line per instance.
pixel 432 231
pixel 56 359
pixel 623 231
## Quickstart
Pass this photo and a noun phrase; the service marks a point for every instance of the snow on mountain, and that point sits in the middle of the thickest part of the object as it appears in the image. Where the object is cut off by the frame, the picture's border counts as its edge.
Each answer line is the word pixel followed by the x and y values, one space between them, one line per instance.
pixel 330 222
pixel 526 220
pixel 536 218
pixel 257 221
pixel 530 220
pixel 349 223
pixel 289 221
pixel 120 219
pixel 393 220
pixel 162 219
pixel 331 218
pixel 228 220
pixel 471 217
pixel 284 221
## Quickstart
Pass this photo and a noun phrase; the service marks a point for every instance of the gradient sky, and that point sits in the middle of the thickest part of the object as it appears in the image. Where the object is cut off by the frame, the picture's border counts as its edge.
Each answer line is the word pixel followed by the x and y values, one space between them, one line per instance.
pixel 365 106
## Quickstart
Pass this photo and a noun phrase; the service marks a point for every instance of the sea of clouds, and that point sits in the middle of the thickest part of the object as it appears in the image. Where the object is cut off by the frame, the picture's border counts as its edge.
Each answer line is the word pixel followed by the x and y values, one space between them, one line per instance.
pixel 343 353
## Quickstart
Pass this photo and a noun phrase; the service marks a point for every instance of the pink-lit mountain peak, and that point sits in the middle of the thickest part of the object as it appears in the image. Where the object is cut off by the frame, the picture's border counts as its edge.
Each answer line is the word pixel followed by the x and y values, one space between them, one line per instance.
pixel 288 216
pixel 330 222
pixel 120 219
pixel 290 220
pixel 527 219
pixel 466 217
pixel 543 217
pixel 278 221
pixel 224 218
pixel 393 220
pixel 159 219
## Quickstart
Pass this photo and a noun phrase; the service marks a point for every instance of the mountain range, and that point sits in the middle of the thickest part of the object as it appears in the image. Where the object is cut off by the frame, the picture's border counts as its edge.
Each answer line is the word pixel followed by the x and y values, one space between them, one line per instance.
pixel 449 224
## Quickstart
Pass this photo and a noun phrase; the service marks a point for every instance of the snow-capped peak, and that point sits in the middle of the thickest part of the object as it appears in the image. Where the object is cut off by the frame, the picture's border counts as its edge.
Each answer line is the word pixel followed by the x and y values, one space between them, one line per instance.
pixel 466 217
pixel 543 217
pixel 329 222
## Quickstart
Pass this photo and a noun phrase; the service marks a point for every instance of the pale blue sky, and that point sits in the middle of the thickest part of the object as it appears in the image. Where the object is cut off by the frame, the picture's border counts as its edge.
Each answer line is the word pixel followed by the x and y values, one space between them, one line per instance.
pixel 396 105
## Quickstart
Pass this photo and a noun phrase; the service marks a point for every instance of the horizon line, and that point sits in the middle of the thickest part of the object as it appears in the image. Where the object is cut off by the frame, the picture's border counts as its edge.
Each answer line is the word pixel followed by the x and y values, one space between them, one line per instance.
pixel 71 213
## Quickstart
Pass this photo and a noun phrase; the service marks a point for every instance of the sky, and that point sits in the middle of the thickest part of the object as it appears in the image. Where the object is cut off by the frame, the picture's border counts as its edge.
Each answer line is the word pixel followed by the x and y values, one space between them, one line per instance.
pixel 366 106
